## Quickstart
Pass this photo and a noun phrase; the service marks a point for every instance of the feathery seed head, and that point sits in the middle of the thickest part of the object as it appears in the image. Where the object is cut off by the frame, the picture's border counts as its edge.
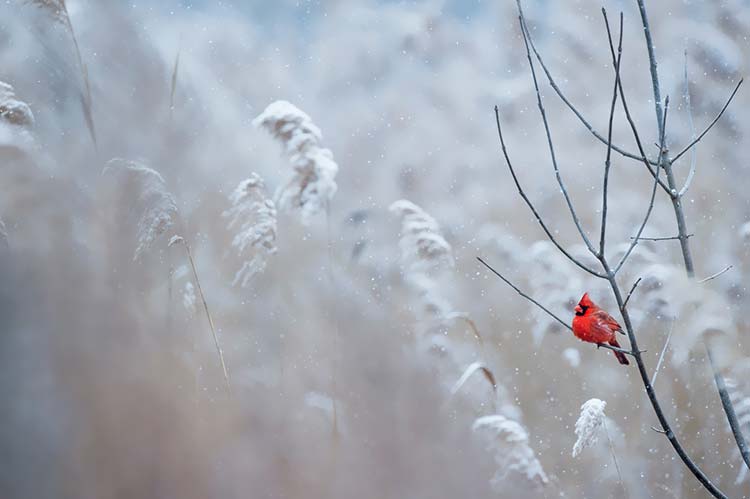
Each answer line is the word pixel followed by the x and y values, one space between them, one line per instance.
pixel 155 206
pixel 253 216
pixel 313 184
pixel 588 424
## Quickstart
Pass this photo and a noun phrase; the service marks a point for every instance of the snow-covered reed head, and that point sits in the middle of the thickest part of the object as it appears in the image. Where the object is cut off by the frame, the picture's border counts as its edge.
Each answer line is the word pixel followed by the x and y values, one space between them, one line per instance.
pixel 509 442
pixel 253 218
pixel 314 182
pixel 16 119
pixel 12 110
pixel 588 424
pixel 154 205
pixel 424 254
pixel 423 247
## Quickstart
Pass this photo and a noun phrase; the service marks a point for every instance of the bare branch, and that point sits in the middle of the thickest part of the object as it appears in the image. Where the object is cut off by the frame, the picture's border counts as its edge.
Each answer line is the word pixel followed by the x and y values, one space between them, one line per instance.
pixel 663 351
pixel 714 276
pixel 654 172
pixel 543 114
pixel 616 349
pixel 546 310
pixel 681 225
pixel 531 205
pixel 630 293
pixel 607 161
pixel 726 401
pixel 565 100
pixel 670 238
pixel 694 150
pixel 704 132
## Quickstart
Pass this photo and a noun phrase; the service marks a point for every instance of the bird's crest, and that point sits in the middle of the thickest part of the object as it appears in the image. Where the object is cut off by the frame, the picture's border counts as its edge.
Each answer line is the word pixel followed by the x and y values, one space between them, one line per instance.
pixel 586 301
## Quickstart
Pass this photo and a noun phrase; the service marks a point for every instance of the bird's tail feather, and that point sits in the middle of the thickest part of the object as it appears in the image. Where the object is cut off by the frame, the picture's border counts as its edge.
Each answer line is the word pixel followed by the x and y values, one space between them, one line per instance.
pixel 621 357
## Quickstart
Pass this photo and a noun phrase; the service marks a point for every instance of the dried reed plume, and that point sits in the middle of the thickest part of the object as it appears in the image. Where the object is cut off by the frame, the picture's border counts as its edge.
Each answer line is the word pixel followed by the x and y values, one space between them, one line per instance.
pixel 313 184
pixel 253 216
pixel 509 442
pixel 155 206
pixel 423 248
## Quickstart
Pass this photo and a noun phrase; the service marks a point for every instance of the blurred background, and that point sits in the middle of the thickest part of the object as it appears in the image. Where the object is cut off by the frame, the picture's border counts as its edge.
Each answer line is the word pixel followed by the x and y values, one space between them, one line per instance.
pixel 342 370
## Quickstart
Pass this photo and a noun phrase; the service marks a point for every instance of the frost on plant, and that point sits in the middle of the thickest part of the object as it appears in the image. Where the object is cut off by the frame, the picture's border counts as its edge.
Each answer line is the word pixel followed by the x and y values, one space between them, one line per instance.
pixel 154 206
pixel 424 255
pixel 313 184
pixel 13 110
pixel 423 247
pixel 16 119
pixel 509 442
pixel 588 424
pixel 252 217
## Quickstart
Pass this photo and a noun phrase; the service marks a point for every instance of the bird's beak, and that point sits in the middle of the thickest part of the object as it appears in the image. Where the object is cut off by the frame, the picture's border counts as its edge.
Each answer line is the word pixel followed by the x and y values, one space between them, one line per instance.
pixel 578 309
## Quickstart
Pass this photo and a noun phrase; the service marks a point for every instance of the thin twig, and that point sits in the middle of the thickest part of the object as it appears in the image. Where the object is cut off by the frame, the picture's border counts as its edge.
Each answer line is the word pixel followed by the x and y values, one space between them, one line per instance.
pixel 704 132
pixel 607 161
pixel 545 309
pixel 726 401
pixel 694 150
pixel 551 146
pixel 173 86
pixel 654 172
pixel 617 349
pixel 671 238
pixel 630 293
pixel 567 102
pixel 663 351
pixel 531 205
pixel 714 276
pixel 208 315
pixel 532 300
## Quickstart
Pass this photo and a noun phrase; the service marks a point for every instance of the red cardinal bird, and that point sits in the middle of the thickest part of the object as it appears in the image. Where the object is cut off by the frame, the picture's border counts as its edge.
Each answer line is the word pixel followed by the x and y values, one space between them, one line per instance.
pixel 594 325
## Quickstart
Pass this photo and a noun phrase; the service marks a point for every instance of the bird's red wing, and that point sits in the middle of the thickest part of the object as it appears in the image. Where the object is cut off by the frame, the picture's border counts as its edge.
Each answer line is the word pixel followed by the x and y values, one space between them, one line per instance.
pixel 605 319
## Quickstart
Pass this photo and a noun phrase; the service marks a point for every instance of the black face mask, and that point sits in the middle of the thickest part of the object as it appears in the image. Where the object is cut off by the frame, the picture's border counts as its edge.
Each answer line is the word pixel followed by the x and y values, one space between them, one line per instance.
pixel 584 308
